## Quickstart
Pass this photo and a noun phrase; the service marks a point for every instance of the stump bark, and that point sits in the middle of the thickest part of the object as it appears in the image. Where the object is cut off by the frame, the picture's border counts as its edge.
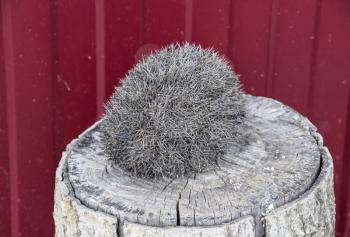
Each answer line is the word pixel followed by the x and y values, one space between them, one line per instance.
pixel 278 181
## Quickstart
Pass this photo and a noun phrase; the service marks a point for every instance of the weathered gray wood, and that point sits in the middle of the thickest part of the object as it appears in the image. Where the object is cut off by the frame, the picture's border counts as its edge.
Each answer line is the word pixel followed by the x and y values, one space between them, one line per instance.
pixel 278 161
pixel 313 214
pixel 242 227
pixel 73 219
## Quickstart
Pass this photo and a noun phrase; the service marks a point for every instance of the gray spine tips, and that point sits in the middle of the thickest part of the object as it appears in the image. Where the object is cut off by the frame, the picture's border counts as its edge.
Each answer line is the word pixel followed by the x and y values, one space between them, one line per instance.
pixel 175 113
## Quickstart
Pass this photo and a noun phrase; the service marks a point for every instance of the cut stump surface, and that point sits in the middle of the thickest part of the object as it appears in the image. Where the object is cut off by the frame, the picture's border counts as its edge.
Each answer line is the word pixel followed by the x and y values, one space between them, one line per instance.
pixel 277 182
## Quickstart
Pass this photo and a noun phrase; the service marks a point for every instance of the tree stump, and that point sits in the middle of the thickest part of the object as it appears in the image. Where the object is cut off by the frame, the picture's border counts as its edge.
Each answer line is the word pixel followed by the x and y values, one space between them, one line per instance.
pixel 277 182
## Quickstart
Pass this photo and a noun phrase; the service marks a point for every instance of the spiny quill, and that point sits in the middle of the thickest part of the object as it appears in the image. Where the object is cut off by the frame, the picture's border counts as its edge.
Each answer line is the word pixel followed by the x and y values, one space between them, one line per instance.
pixel 175 113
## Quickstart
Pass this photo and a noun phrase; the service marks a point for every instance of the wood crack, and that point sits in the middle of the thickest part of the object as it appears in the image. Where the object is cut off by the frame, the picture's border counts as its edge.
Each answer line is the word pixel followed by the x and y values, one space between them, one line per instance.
pixel 178 221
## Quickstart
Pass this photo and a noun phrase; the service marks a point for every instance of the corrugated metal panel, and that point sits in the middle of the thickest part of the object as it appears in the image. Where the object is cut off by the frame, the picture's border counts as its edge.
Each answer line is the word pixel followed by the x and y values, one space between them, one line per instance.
pixel 61 59
pixel 27 51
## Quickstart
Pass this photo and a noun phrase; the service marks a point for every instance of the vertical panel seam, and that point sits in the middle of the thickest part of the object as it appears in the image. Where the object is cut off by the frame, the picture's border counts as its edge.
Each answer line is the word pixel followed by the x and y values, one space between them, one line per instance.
pixel 100 57
pixel 188 20
pixel 54 75
pixel 231 45
pixel 314 54
pixel 271 50
pixel 343 197
pixel 342 203
pixel 143 23
pixel 11 113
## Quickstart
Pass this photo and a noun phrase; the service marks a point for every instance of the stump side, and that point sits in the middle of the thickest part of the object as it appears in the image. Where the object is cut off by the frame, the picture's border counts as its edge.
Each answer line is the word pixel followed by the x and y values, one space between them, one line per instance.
pixel 313 214
pixel 72 219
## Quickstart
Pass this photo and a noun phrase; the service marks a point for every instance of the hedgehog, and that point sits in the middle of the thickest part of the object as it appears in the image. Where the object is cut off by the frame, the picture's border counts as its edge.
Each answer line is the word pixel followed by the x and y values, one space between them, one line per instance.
pixel 174 114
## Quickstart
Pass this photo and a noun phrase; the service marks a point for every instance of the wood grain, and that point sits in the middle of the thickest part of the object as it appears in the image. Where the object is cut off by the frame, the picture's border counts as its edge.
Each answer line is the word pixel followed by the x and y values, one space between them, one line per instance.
pixel 277 162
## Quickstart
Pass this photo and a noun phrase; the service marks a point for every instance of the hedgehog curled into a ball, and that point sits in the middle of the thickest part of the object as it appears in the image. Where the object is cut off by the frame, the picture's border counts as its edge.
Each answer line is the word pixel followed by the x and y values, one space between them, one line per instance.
pixel 175 113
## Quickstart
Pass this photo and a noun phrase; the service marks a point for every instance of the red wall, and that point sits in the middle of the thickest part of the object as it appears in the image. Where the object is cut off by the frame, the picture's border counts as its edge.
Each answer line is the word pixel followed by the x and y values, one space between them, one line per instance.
pixel 59 61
